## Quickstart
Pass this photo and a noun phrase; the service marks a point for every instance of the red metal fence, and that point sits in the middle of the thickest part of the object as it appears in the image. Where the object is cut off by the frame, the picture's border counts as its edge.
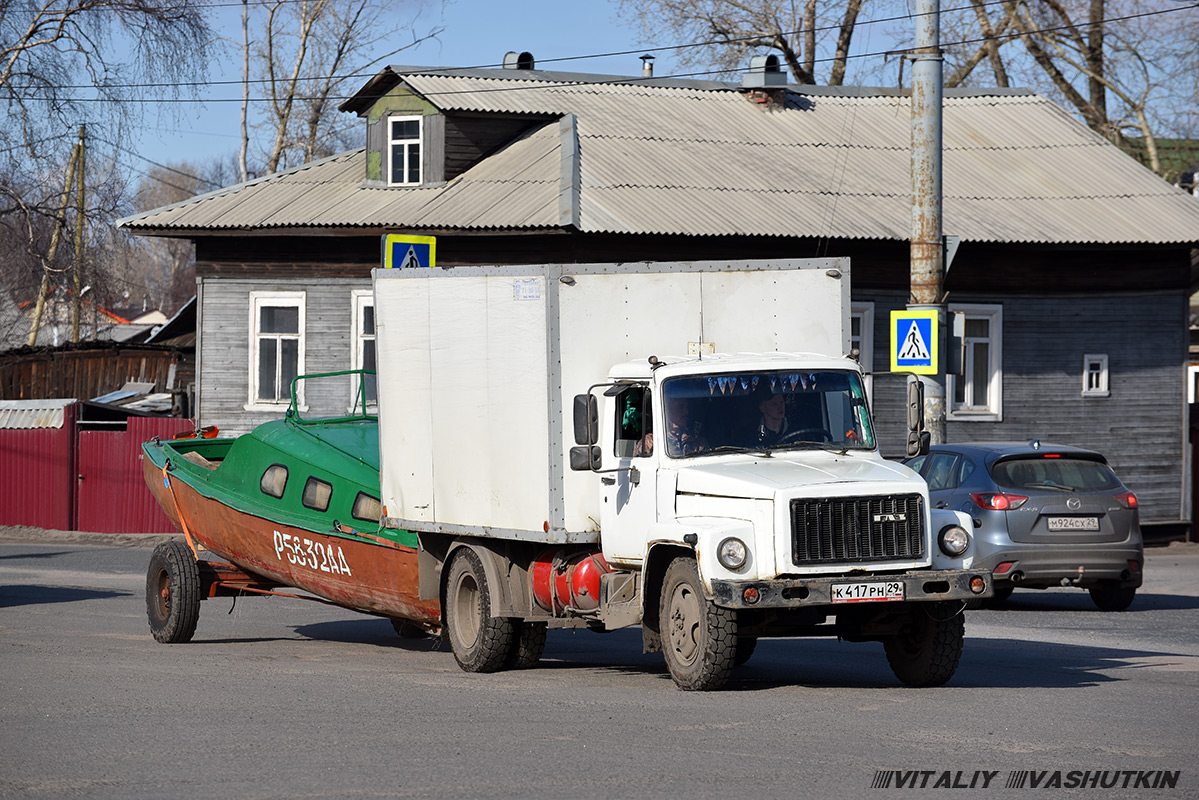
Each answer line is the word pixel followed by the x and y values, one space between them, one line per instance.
pixel 86 480
pixel 37 475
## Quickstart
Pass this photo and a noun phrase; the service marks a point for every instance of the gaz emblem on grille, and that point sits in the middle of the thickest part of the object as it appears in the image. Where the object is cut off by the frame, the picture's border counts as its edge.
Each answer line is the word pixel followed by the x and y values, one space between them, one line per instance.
pixel 890 517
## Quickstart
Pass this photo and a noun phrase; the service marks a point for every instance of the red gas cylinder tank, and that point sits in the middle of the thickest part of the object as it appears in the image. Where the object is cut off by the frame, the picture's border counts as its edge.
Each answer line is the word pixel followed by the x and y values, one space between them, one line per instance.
pixel 563 578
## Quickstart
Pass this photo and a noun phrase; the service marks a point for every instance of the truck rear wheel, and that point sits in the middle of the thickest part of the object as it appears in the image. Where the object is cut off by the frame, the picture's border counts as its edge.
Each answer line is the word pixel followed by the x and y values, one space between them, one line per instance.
pixel 528 644
pixel 479 641
pixel 699 639
pixel 173 593
pixel 927 651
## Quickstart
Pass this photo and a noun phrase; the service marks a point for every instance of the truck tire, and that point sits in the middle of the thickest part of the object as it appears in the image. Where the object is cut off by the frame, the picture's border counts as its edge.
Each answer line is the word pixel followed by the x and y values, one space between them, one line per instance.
pixel 527 645
pixel 745 649
pixel 173 593
pixel 1110 597
pixel 479 641
pixel 927 650
pixel 699 639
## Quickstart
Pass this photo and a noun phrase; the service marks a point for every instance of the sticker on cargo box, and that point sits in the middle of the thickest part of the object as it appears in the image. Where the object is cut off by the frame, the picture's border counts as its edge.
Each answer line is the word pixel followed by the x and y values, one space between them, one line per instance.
pixel 526 289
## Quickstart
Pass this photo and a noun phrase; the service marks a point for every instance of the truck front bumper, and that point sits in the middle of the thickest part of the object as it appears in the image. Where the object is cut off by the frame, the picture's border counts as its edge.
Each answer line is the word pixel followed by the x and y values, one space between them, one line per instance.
pixel 919 586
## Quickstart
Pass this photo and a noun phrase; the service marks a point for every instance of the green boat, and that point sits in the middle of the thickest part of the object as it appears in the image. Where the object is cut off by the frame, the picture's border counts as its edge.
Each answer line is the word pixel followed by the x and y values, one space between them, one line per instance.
pixel 294 503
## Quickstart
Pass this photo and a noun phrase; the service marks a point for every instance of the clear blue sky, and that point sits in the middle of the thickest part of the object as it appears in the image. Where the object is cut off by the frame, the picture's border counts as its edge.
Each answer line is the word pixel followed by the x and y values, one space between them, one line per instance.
pixel 476 33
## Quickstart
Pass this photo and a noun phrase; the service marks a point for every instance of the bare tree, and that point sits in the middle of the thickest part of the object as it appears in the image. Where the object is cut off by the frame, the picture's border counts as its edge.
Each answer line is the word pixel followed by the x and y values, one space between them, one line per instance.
pixel 56 53
pixel 63 61
pixel 721 34
pixel 1126 67
pixel 311 51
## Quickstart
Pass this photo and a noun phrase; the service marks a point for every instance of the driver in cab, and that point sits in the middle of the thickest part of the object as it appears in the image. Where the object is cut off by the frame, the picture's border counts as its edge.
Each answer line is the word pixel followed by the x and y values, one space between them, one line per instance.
pixel 681 438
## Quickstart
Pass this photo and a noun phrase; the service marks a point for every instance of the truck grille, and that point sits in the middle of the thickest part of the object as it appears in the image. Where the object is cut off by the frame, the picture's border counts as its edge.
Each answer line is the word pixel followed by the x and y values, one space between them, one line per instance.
pixel 857 529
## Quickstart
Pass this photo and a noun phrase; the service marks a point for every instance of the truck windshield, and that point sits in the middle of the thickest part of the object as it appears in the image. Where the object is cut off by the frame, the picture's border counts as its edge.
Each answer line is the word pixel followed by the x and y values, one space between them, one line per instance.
pixel 765 412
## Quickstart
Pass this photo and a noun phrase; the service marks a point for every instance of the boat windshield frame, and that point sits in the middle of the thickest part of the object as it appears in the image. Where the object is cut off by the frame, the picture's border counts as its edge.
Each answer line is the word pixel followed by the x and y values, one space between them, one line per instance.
pixel 358 410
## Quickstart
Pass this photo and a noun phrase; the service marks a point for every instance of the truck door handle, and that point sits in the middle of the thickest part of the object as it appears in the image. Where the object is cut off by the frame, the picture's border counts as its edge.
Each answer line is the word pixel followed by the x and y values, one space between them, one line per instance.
pixel 608 480
pixel 942 504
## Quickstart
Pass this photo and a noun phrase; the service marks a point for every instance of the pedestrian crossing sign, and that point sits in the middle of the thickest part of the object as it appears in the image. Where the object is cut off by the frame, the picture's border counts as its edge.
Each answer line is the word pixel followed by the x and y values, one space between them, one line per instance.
pixel 914 337
pixel 401 251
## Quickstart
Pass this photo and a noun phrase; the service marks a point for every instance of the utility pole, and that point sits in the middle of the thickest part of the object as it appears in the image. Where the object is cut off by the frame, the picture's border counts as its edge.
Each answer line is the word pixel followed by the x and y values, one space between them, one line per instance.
pixel 927 243
pixel 40 307
pixel 79 223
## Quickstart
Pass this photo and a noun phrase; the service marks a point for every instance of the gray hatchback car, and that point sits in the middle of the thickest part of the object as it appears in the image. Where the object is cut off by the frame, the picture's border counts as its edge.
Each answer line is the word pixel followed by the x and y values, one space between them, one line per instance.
pixel 1044 515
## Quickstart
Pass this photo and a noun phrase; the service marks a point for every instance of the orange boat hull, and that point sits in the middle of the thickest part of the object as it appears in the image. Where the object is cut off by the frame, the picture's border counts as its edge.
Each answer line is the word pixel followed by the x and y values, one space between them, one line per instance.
pixel 369 574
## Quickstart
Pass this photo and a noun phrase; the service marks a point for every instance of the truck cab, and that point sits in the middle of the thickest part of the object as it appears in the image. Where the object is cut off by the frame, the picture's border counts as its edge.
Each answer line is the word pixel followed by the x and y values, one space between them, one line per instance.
pixel 762 472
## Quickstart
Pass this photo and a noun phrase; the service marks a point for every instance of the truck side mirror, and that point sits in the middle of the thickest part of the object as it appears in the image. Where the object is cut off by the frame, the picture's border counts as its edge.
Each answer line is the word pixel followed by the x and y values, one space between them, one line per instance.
pixel 586 420
pixel 585 457
pixel 918 438
pixel 918 443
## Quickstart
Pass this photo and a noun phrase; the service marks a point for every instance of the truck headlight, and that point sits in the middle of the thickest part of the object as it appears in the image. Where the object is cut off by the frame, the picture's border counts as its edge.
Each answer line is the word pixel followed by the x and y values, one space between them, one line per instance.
pixel 953 540
pixel 731 553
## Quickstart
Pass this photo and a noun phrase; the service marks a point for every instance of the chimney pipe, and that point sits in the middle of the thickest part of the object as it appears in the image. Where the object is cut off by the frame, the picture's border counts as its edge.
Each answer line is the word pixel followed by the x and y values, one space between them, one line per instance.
pixel 647 66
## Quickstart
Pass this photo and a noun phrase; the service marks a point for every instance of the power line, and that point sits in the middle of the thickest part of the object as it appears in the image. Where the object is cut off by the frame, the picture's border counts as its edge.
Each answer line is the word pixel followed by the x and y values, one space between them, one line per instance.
pixel 179 172
pixel 611 54
pixel 1005 37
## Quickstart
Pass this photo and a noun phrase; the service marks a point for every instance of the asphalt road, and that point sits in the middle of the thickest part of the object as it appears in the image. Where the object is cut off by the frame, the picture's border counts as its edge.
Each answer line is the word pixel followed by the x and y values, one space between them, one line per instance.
pixel 281 698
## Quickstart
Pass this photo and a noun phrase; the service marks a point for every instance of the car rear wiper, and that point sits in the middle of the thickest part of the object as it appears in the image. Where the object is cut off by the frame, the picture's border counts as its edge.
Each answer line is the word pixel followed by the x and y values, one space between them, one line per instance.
pixel 1054 486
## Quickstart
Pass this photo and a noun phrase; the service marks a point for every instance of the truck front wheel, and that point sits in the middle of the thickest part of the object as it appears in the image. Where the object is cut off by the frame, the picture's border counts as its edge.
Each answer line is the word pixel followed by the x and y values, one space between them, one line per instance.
pixel 927 650
pixel 699 639
pixel 479 641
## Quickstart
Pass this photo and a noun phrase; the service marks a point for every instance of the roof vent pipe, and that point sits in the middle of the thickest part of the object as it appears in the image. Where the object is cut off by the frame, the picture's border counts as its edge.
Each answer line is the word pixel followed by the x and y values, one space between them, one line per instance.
pixel 764 71
pixel 513 60
pixel 647 66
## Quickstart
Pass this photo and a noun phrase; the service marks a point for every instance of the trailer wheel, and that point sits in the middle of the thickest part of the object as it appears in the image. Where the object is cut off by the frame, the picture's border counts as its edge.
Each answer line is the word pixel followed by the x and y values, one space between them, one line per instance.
pixel 480 642
pixel 927 650
pixel 173 593
pixel 699 639
pixel 528 644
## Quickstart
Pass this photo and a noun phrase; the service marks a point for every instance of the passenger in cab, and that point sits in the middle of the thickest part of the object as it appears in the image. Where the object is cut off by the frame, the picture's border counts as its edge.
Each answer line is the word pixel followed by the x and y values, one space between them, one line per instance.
pixel 772 421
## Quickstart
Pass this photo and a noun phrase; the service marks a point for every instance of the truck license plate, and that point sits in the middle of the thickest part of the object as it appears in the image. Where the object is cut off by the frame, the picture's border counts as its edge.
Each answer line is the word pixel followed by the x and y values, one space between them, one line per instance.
pixel 867 592
pixel 1074 523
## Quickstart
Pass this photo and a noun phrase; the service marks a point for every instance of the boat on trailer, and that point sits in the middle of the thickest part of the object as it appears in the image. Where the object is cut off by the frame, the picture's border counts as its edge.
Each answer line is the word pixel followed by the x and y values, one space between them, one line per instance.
pixel 292 504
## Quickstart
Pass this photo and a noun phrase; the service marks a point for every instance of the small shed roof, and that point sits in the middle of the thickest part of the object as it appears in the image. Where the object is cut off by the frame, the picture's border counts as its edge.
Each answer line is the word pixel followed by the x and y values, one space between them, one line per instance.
pixel 700 158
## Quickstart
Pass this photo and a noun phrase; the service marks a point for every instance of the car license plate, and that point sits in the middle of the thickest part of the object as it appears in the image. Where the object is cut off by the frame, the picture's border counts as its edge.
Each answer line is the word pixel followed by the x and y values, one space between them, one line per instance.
pixel 867 592
pixel 1074 523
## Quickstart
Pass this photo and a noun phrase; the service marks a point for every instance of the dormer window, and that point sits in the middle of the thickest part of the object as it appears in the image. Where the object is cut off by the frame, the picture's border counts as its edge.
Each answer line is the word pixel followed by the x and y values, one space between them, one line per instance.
pixel 404 148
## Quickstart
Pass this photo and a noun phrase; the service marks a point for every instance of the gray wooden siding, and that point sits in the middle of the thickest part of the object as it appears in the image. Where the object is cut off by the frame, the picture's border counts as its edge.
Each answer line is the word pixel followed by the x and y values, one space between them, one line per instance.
pixel 1140 426
pixel 225 347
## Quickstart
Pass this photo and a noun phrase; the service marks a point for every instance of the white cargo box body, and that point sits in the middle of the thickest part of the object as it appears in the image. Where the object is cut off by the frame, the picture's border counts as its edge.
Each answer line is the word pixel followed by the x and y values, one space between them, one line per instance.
pixel 478 367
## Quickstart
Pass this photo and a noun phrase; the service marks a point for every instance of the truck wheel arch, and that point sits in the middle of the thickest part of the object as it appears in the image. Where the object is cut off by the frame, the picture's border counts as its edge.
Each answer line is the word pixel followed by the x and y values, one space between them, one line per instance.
pixel 653 572
pixel 508 599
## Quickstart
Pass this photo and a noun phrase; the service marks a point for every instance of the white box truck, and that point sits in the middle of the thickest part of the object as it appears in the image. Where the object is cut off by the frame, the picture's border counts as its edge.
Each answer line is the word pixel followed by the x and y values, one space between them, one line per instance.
pixel 680 446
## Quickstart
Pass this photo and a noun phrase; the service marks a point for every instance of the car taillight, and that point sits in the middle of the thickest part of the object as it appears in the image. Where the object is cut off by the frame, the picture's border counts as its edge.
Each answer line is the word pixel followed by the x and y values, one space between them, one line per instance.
pixel 998 501
pixel 1128 500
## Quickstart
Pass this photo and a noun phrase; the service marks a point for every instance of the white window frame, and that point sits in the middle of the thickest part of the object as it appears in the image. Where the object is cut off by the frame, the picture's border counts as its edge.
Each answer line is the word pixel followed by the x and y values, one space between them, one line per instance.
pixel 361 299
pixel 1099 387
pixel 419 141
pixel 258 301
pixel 993 412
pixel 864 312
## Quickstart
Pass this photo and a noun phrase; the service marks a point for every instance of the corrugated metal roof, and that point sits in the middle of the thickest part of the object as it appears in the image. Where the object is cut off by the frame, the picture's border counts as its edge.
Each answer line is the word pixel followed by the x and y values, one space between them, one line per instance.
pixel 25 414
pixel 699 159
